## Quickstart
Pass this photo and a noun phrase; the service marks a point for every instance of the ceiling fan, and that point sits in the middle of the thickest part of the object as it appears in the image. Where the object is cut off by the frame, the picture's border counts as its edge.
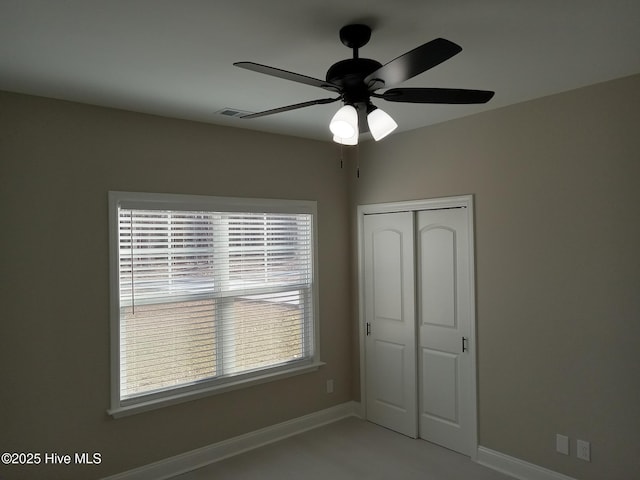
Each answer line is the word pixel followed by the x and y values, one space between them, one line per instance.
pixel 357 80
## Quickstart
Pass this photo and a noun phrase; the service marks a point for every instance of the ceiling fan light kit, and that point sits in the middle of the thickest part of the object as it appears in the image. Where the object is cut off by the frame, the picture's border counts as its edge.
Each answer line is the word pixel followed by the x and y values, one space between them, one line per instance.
pixel 344 124
pixel 356 80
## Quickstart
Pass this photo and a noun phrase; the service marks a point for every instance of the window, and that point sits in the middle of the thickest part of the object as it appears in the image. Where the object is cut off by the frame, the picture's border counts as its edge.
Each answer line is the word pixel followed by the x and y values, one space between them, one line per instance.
pixel 208 294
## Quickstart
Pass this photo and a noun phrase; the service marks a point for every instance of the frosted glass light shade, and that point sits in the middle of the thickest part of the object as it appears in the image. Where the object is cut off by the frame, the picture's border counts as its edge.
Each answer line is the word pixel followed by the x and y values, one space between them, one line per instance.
pixel 344 123
pixel 353 140
pixel 380 124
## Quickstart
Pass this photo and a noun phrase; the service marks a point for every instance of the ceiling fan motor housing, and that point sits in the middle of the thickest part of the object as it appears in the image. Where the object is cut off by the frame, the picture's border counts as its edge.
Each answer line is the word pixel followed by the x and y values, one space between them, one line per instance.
pixel 350 74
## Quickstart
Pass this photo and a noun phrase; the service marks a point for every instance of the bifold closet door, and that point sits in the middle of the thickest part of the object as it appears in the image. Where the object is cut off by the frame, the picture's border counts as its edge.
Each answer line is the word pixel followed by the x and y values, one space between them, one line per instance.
pixel 390 350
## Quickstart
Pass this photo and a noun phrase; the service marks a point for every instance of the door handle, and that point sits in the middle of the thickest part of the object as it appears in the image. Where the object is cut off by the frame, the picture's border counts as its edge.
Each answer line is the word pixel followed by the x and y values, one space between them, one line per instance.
pixel 465 346
pixel 368 329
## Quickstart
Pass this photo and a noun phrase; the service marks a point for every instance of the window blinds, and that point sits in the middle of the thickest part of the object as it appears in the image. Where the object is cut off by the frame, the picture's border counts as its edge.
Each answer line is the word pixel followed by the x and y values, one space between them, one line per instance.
pixel 210 295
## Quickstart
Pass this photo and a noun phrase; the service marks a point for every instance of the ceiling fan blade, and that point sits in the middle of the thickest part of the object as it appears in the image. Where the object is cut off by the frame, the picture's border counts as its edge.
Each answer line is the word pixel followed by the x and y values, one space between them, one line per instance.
pixel 436 95
pixel 413 63
pixel 294 77
pixel 320 101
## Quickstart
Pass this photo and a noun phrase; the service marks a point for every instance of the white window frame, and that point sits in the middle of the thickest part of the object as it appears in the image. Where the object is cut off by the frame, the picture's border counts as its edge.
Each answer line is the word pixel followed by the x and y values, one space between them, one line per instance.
pixel 155 201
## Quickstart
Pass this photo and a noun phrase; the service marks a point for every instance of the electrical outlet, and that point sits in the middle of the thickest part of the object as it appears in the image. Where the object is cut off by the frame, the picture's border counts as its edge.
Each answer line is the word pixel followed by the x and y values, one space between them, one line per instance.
pixel 562 444
pixel 583 450
pixel 330 386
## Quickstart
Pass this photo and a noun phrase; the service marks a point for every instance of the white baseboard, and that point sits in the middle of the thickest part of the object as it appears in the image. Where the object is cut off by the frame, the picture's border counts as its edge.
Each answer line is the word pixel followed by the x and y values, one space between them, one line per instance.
pixel 185 462
pixel 515 467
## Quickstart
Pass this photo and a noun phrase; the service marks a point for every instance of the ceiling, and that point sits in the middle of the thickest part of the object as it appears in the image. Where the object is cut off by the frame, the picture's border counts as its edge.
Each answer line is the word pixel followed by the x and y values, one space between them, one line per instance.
pixel 175 58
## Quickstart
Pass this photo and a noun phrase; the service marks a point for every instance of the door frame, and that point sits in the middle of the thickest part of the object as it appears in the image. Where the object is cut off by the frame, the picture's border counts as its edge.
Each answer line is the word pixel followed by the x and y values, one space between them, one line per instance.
pixel 461 201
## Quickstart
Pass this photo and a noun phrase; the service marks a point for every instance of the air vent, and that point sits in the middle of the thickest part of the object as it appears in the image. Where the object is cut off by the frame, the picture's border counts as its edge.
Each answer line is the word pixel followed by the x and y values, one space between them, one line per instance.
pixel 232 112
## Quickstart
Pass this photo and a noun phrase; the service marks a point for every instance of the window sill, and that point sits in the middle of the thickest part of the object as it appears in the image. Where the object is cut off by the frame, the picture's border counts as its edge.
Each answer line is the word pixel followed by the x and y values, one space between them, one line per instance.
pixel 145 406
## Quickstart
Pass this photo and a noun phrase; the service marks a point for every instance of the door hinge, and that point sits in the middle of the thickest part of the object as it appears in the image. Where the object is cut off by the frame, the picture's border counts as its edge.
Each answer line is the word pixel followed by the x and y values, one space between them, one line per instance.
pixel 368 329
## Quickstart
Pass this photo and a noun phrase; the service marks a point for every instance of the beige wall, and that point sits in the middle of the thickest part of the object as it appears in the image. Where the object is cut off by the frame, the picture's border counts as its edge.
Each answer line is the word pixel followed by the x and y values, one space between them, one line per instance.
pixel 57 162
pixel 557 203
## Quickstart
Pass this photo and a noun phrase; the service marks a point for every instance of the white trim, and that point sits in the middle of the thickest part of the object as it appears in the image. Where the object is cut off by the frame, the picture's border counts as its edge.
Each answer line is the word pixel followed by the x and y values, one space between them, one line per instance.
pixel 465 201
pixel 169 201
pixel 188 461
pixel 189 395
pixel 515 467
pixel 415 205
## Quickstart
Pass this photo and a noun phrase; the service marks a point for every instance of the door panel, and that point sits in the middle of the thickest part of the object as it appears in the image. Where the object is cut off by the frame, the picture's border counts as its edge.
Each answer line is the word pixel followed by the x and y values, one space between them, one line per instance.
pixel 444 319
pixel 437 288
pixel 441 369
pixel 389 301
pixel 389 385
pixel 387 274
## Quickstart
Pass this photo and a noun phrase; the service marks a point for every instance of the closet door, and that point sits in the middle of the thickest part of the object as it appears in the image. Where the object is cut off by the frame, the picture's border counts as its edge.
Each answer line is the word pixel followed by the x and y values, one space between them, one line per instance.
pixel 389 301
pixel 444 324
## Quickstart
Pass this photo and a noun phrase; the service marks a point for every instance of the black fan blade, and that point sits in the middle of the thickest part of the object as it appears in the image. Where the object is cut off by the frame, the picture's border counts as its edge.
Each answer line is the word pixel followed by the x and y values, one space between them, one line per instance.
pixel 413 63
pixel 320 101
pixel 294 77
pixel 436 95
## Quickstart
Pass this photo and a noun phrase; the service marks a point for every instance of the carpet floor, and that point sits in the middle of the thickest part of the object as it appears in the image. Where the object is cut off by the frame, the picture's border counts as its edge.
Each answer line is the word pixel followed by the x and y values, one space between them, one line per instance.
pixel 350 449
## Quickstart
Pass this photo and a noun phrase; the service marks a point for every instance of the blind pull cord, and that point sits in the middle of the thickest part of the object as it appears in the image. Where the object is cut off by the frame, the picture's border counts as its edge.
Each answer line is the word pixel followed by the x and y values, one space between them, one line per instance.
pixel 133 302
